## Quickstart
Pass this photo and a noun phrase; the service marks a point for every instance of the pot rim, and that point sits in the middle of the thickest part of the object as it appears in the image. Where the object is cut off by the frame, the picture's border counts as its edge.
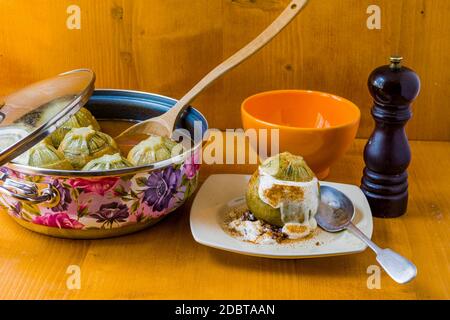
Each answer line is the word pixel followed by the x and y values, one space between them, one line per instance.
pixel 118 172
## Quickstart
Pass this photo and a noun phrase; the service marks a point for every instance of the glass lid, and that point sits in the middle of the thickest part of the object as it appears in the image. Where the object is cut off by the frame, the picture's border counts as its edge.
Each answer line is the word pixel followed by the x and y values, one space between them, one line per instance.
pixel 31 114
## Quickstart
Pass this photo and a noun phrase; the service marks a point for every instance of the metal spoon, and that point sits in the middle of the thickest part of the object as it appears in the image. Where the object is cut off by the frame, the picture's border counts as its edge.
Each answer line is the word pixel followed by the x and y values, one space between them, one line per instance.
pixel 165 124
pixel 335 214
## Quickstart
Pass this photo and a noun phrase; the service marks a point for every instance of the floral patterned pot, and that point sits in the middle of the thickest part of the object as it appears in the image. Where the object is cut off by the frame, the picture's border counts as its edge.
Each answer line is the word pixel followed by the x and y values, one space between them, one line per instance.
pixel 88 205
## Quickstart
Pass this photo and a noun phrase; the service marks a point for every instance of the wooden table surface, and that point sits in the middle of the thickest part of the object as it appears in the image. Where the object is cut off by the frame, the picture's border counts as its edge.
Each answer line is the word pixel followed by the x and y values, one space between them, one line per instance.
pixel 165 262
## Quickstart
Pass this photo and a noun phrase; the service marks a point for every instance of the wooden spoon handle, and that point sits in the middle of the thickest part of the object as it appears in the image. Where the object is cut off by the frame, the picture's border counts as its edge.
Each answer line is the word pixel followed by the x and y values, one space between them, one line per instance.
pixel 259 42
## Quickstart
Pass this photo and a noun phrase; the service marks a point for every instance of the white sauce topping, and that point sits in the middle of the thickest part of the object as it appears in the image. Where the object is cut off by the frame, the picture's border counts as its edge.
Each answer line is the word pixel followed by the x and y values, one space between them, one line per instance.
pixel 298 216
pixel 252 231
pixel 296 231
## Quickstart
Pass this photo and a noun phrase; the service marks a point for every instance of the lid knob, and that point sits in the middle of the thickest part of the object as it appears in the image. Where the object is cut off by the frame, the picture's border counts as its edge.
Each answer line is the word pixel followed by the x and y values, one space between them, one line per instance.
pixel 396 61
pixel 394 84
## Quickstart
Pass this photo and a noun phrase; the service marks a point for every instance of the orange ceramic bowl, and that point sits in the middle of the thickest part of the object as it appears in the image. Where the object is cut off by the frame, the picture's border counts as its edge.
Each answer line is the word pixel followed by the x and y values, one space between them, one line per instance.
pixel 318 126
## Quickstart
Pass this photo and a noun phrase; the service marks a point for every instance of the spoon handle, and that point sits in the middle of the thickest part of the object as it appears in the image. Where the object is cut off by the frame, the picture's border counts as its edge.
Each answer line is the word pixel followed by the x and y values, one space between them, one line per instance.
pixel 276 27
pixel 396 266
pixel 355 231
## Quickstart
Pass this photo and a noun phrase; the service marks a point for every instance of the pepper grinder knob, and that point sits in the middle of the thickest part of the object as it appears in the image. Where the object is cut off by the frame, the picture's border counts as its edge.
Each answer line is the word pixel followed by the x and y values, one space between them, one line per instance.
pixel 387 154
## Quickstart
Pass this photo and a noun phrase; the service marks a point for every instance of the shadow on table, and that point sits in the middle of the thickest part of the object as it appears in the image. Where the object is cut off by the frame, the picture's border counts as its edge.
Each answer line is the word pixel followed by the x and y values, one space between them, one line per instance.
pixel 337 266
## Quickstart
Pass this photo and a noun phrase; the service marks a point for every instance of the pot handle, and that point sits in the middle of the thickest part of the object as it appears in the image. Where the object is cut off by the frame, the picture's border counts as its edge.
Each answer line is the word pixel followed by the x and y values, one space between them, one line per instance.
pixel 26 191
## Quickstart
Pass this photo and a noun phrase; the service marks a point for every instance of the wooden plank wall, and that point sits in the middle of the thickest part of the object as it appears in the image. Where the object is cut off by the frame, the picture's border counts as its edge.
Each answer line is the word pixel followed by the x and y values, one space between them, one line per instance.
pixel 165 46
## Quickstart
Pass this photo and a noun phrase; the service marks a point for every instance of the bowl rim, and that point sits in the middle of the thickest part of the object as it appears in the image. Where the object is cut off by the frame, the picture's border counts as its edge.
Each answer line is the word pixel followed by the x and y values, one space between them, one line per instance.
pixel 309 92
pixel 117 172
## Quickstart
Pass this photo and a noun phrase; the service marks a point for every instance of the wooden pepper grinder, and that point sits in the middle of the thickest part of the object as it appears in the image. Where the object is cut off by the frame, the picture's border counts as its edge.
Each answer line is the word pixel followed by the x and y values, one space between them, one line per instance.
pixel 387 154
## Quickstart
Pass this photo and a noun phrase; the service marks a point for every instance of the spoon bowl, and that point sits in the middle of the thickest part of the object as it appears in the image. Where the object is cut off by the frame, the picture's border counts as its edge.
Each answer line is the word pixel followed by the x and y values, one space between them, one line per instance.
pixel 335 214
pixel 336 211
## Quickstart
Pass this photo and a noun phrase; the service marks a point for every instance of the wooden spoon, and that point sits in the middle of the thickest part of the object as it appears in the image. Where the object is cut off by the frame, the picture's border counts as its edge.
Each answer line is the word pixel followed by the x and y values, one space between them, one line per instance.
pixel 165 124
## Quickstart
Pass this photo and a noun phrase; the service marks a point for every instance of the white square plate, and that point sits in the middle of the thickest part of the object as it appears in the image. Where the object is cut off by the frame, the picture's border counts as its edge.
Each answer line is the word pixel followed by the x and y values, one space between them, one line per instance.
pixel 220 193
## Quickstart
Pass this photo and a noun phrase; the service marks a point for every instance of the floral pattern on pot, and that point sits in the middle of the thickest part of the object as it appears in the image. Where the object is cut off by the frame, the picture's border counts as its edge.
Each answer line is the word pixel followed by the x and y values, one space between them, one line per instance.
pixel 106 202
